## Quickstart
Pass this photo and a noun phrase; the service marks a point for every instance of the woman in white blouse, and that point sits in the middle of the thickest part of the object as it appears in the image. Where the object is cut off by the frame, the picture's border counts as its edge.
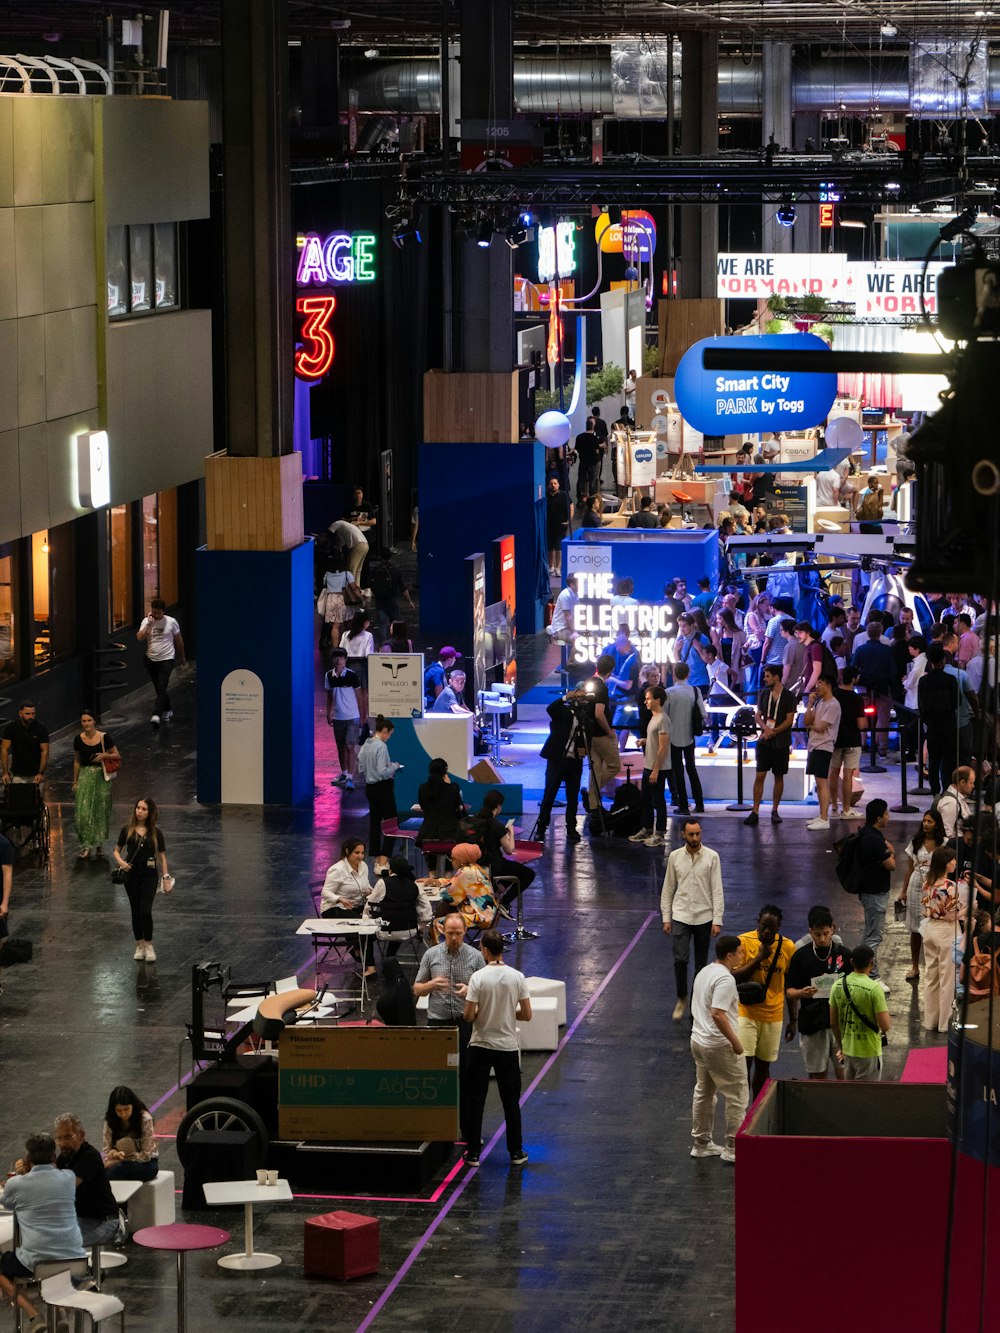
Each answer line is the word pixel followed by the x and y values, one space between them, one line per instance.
pixel 345 892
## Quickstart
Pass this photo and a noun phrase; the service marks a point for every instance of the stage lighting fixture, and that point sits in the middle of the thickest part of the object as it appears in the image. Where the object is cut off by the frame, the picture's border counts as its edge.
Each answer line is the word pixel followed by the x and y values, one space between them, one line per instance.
pixel 405 232
pixel 786 214
pixel 515 235
pixel 484 233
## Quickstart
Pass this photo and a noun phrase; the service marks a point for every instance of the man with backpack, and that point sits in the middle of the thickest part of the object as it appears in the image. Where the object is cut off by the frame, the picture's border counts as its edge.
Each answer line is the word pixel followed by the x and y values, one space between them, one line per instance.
pixel 859 1016
pixel 953 803
pixel 872 859
pixel 388 587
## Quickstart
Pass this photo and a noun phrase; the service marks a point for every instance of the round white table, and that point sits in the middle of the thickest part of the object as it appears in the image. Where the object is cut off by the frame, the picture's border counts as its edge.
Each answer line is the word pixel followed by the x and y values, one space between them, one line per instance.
pixel 247 1192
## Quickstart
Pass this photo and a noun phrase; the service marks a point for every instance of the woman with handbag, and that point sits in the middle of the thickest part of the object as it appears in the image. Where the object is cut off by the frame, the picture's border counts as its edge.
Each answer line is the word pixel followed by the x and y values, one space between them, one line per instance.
pixel 95 762
pixel 925 842
pixel 945 904
pixel 141 857
pixel 338 598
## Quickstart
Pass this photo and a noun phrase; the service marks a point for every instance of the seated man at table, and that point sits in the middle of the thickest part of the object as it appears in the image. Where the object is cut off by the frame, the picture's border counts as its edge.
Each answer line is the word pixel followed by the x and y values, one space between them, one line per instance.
pixel 96 1209
pixel 42 1199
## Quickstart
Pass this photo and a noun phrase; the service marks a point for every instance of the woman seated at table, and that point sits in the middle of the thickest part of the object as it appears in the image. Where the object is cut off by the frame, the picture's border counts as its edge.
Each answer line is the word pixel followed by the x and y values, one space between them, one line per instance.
pixel 469 892
pixel 441 803
pixel 496 840
pixel 129 1149
pixel 345 892
pixel 401 903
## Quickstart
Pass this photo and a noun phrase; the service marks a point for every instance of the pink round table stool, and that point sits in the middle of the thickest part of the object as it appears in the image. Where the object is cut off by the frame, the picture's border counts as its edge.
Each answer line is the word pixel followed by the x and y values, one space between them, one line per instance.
pixel 181 1237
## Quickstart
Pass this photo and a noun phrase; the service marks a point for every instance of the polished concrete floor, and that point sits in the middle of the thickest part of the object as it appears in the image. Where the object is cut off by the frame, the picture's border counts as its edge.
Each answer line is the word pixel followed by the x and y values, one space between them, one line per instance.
pixel 611 1225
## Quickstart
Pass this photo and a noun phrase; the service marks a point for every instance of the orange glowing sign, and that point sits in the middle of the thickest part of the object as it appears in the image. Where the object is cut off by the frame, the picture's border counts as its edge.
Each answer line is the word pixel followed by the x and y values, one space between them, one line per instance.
pixel 315 356
pixel 826 216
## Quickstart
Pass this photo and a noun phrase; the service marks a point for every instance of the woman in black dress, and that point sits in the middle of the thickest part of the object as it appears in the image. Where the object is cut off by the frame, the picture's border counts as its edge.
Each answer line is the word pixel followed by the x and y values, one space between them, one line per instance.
pixel 142 851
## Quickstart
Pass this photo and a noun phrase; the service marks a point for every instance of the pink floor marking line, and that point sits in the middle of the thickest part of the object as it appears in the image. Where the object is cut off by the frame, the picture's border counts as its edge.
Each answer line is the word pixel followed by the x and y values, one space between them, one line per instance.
pixel 419 1247
pixel 386 1198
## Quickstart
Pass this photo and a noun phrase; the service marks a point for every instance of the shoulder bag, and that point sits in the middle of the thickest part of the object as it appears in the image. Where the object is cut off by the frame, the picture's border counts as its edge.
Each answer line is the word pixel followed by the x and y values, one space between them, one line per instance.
pixel 109 763
pixel 752 992
pixel 872 1027
pixel 120 874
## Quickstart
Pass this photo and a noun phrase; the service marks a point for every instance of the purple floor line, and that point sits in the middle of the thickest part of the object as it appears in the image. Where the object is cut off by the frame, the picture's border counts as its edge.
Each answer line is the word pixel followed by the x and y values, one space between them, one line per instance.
pixel 418 1248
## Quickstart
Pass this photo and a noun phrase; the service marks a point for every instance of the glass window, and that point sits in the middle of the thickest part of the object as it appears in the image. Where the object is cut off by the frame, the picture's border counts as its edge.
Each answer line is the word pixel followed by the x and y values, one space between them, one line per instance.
pixel 8 589
pixel 120 566
pixel 140 244
pixel 42 655
pixel 165 260
pixel 117 271
pixel 150 549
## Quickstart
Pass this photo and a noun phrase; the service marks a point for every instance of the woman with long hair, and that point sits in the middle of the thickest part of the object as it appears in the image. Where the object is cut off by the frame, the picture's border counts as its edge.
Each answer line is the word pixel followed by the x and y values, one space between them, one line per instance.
pixel 340 594
pixel 379 770
pixel 129 1149
pixel 345 893
pixel 142 852
pixel 944 907
pixel 442 806
pixel 91 791
pixel 399 640
pixel 755 629
pixel 358 643
pixel 927 839
pixel 401 903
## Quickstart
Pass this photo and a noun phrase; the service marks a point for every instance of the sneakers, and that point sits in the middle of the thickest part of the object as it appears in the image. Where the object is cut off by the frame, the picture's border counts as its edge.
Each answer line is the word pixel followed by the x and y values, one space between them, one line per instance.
pixel 338 781
pixel 818 824
pixel 679 1009
pixel 519 1158
pixel 572 835
pixel 641 836
pixel 655 840
pixel 775 817
pixel 727 1155
pixel 471 1158
pixel 880 982
pixel 168 716
pixel 348 784
pixel 140 951
pixel 150 954
pixel 849 814
pixel 752 819
pixel 155 719
pixel 707 1150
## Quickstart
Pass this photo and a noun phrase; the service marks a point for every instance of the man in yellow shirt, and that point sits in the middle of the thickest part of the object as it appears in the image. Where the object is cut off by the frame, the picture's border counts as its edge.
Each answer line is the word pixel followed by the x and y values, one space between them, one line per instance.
pixel 767 954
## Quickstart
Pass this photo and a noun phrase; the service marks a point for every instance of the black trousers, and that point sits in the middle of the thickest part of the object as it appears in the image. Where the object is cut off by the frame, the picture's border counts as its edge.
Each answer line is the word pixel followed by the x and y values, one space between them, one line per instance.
pixel 523 874
pixel 681 935
pixel 942 747
pixel 561 772
pixel 141 892
pixel 507 1065
pixel 159 674
pixel 464 1033
pixel 381 805
pixel 681 757
pixel 654 801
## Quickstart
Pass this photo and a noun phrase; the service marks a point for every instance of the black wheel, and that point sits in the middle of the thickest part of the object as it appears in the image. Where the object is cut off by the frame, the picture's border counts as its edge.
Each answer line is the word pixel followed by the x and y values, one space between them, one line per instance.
pixel 222 1115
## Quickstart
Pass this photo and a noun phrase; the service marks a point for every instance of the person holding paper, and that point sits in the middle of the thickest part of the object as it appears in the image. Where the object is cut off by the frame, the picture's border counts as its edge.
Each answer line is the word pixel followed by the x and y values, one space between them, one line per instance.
pixel 807 993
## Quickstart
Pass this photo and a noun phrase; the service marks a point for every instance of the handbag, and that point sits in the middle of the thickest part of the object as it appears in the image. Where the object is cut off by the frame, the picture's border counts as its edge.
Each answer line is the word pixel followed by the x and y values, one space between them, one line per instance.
pixel 752 992
pixel 120 874
pixel 111 763
pixel 321 600
pixel 352 594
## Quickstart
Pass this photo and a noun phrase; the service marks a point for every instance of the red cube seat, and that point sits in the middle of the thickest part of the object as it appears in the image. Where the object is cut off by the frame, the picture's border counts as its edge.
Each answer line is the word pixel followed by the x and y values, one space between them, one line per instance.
pixel 340 1245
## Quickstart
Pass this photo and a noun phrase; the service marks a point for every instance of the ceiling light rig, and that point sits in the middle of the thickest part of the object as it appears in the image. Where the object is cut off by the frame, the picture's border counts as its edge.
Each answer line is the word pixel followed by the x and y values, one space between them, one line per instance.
pixel 786 213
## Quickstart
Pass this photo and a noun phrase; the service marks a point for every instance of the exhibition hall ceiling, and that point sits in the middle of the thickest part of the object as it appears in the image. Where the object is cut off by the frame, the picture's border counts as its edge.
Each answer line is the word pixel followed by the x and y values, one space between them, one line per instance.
pixel 397 23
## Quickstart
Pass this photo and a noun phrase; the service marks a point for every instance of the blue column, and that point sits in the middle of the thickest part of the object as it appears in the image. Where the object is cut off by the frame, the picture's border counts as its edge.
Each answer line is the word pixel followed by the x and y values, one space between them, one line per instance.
pixel 255 618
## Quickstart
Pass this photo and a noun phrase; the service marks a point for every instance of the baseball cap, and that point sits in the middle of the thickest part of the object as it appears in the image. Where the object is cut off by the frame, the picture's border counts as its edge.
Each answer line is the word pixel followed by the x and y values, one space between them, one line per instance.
pixel 449 651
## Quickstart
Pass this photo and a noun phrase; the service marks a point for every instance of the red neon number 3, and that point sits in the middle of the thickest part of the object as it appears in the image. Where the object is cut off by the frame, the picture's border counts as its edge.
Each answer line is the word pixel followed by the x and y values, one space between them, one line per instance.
pixel 315 357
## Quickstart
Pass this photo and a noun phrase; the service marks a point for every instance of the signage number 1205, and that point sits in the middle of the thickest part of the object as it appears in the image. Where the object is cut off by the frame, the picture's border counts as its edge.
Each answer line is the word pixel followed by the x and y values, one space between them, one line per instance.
pixel 315 355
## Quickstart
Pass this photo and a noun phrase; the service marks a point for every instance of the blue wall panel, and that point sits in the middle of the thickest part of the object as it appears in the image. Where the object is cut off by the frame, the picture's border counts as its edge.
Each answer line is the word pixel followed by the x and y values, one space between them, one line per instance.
pixel 652 561
pixel 470 494
pixel 256 612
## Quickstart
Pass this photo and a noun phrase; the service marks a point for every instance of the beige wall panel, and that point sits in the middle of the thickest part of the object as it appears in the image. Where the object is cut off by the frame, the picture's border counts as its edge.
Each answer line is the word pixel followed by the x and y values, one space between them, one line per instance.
pixel 30 370
pixel 32 449
pixel 155 159
pixel 68 160
pixel 29 255
pixel 10 491
pixel 69 262
pixel 159 391
pixel 8 377
pixel 6 152
pixel 70 361
pixel 27 141
pixel 62 466
pixel 8 263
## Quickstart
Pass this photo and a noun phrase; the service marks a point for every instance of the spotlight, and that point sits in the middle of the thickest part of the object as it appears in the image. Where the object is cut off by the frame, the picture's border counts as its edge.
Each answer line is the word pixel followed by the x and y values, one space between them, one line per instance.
pixel 405 232
pixel 484 233
pixel 515 235
pixel 372 53
pixel 786 214
pixel 526 217
pixel 888 29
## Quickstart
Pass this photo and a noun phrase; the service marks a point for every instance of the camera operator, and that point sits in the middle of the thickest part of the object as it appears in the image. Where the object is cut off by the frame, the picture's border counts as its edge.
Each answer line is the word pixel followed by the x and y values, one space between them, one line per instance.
pixel 605 761
pixel 563 753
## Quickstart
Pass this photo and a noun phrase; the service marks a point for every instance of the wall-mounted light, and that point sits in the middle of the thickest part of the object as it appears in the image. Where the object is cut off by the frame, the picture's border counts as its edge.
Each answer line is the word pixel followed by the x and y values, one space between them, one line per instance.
pixel 93 469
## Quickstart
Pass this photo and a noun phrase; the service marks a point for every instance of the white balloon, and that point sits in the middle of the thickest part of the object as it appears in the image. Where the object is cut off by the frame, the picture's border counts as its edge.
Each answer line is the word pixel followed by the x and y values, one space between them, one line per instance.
pixel 553 429
pixel 843 433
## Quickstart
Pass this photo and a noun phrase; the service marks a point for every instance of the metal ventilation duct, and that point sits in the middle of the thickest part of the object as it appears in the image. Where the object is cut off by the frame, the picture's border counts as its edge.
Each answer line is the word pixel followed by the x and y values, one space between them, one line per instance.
pixel 633 82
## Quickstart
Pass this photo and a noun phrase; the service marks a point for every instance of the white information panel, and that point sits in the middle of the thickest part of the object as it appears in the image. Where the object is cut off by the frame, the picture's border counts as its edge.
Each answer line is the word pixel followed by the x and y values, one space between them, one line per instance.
pixel 396 684
pixel 241 701
pixel 587 559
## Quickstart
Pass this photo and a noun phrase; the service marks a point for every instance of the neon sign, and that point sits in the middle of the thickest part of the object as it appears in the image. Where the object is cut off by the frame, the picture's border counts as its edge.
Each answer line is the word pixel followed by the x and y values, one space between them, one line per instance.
pixel 558 241
pixel 340 258
pixel 652 626
pixel 315 356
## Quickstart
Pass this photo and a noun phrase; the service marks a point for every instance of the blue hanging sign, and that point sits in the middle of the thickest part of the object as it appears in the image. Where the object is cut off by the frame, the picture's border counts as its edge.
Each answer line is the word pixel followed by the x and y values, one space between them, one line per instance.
pixel 730 402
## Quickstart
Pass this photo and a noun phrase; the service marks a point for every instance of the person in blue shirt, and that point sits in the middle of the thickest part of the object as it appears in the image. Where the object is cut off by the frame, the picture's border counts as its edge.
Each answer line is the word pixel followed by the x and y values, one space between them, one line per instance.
pixel 623 683
pixel 378 771
pixel 706 597
pixel 690 649
pixel 43 1201
pixel 434 676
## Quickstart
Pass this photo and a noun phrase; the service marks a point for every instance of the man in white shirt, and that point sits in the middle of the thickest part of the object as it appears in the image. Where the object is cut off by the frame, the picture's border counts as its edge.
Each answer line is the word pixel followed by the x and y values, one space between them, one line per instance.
pixel 561 628
pixel 353 542
pixel 828 488
pixel 691 905
pixel 953 803
pixel 656 761
pixel 717 1052
pixel 164 647
pixel 496 998
pixel 822 719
